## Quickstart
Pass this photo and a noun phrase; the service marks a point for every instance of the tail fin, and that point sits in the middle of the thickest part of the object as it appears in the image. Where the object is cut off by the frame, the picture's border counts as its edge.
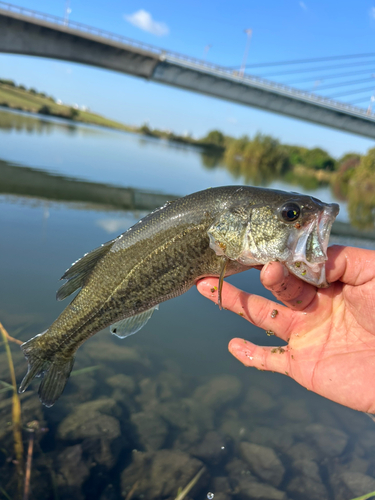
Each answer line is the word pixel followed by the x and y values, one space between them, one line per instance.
pixel 54 370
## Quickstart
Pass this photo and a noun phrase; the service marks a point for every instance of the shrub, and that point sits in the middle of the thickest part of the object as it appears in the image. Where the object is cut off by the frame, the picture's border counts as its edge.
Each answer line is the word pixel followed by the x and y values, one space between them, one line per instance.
pixel 73 113
pixel 45 110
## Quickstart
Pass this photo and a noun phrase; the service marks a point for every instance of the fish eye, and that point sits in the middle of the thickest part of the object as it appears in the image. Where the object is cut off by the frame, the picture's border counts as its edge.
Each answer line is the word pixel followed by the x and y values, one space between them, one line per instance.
pixel 290 212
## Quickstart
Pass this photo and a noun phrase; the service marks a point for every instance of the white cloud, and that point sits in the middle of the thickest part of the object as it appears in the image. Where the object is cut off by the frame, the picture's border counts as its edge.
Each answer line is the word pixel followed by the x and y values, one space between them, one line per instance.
pixel 114 225
pixel 303 5
pixel 143 20
pixel 372 12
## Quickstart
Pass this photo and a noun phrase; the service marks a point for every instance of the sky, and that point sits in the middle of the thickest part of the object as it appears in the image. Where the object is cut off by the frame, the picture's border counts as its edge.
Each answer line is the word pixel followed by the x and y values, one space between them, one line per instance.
pixel 287 30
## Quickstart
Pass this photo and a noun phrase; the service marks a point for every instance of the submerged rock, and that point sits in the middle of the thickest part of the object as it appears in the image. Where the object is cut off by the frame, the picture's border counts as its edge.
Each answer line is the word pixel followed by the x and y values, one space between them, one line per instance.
pixel 77 426
pixel 122 382
pixel 109 493
pixel 161 474
pixel 264 462
pixel 351 484
pixel 71 472
pixel 218 391
pixel 302 451
pixel 151 429
pixel 235 428
pixel 330 442
pixel 278 439
pixel 247 487
pixel 249 490
pixel 213 449
pixel 306 481
pixel 295 410
pixel 100 433
pixel 258 401
pixel 114 353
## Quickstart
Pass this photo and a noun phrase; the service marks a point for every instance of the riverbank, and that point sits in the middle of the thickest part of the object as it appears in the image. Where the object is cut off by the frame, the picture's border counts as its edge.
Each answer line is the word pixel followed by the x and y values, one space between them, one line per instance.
pixel 30 101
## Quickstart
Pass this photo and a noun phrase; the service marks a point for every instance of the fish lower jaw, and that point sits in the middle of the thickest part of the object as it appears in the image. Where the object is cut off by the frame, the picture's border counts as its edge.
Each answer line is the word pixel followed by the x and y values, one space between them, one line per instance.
pixel 314 267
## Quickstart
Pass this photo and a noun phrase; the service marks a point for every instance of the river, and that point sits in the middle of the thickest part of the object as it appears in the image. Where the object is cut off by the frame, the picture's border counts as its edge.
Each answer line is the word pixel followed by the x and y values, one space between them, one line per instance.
pixel 151 411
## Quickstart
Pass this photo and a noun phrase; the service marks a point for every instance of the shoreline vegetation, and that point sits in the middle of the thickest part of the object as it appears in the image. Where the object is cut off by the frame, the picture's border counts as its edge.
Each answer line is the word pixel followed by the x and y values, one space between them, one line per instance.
pixel 258 160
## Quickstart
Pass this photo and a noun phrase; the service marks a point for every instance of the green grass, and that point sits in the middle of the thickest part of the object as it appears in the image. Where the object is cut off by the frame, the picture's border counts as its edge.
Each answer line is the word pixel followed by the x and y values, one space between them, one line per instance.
pixel 16 98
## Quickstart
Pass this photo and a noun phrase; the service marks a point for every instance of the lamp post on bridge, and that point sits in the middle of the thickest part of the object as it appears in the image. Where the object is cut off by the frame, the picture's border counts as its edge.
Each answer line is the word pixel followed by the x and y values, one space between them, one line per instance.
pixel 205 52
pixel 68 10
pixel 249 33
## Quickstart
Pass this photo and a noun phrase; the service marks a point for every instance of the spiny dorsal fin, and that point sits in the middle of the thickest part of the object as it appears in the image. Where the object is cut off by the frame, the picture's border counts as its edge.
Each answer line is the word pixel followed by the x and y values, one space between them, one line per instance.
pixel 129 326
pixel 78 272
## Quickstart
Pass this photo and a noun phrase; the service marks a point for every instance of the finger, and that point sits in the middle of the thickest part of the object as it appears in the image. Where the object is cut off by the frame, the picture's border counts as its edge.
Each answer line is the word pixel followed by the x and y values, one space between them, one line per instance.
pixel 293 292
pixel 274 318
pixel 275 359
pixel 354 266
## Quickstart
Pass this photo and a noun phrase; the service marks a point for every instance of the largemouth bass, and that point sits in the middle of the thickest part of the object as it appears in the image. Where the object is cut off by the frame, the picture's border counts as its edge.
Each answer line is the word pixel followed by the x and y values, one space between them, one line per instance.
pixel 216 232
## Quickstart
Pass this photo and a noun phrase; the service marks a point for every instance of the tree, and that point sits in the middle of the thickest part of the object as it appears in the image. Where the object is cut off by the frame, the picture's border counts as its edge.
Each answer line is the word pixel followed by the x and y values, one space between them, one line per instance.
pixel 73 113
pixel 215 137
pixel 319 159
pixel 45 110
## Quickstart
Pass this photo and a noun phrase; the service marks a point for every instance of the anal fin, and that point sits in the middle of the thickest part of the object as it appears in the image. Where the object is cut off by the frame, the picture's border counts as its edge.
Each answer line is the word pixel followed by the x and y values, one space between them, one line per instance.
pixel 129 326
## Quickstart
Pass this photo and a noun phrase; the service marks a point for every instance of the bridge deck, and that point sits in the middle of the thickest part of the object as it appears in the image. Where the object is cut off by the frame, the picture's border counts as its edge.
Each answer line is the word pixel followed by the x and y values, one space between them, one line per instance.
pixel 23 31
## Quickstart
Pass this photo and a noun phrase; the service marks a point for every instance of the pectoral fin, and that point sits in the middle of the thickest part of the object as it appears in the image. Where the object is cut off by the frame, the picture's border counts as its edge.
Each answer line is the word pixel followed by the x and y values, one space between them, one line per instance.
pixel 131 325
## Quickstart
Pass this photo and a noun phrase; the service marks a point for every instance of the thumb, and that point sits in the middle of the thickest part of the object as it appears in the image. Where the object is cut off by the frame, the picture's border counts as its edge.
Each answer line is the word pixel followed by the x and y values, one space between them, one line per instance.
pixel 276 359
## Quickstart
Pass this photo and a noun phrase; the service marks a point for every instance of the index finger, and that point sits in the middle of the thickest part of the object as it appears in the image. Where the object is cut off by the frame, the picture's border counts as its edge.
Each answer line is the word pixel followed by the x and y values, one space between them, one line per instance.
pixel 264 313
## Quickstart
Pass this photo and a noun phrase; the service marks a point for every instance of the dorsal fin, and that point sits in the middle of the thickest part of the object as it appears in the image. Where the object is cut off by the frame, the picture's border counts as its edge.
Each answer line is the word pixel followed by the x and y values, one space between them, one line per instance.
pixel 78 272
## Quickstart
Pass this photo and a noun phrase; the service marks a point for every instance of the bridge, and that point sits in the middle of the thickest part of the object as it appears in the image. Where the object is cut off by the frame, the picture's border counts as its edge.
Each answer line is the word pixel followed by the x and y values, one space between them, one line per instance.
pixel 27 32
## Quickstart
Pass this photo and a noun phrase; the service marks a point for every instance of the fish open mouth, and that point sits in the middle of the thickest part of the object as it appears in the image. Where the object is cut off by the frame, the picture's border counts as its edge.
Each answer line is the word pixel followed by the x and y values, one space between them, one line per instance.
pixel 310 252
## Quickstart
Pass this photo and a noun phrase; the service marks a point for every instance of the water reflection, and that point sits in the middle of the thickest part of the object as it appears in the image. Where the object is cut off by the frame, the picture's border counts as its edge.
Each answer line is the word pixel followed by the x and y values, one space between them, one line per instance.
pixel 19 121
pixel 30 182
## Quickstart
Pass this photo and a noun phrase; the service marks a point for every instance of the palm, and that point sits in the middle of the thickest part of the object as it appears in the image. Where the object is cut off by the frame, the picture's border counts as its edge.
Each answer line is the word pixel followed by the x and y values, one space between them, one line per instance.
pixel 330 332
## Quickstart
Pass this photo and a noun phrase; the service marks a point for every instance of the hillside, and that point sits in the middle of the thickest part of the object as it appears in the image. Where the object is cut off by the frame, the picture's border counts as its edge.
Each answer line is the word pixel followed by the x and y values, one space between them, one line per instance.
pixel 29 100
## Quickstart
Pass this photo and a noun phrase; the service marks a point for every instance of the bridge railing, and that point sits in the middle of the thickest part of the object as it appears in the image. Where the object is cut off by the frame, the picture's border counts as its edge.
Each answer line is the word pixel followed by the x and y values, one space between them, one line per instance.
pixel 189 61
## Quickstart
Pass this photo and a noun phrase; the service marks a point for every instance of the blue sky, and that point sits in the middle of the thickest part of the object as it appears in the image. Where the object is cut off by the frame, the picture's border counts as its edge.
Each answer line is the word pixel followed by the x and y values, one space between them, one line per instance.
pixel 285 30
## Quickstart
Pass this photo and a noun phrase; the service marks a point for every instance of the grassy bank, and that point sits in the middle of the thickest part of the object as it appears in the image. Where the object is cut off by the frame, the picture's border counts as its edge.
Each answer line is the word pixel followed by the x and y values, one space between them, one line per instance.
pixel 29 100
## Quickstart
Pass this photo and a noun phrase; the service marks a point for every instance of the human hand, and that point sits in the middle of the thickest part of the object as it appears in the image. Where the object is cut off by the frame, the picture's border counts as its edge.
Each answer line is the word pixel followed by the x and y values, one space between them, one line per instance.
pixel 330 332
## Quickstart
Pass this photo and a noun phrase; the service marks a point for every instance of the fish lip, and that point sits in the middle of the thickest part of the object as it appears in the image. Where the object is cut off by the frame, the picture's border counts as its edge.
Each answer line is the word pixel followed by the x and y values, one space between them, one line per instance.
pixel 324 226
pixel 320 226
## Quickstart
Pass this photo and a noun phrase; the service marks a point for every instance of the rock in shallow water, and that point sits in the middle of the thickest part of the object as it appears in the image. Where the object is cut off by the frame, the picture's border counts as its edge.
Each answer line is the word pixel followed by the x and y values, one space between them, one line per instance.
pixel 351 484
pixel 151 429
pixel 218 391
pixel 212 449
pixel 264 462
pixel 98 432
pixel 161 474
pixel 71 472
pixel 330 442
pixel 278 439
pixel 82 424
pixel 306 482
pixel 247 487
pixel 248 490
pixel 123 382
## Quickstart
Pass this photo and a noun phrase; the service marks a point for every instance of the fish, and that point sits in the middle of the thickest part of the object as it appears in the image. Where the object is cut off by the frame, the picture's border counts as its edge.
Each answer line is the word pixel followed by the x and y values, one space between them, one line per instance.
pixel 216 232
